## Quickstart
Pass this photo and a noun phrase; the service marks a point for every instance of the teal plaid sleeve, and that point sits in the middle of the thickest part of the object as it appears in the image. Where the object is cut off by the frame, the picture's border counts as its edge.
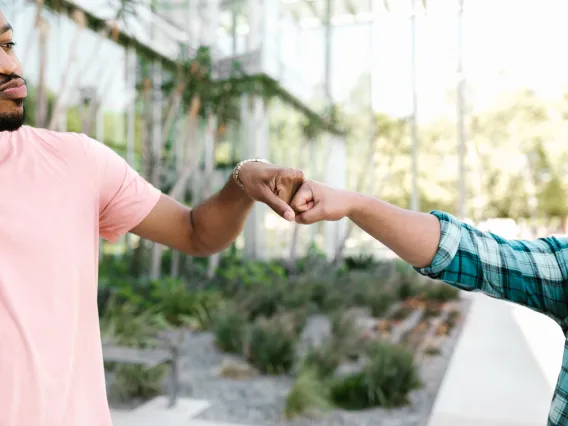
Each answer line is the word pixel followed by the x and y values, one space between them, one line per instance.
pixel 529 273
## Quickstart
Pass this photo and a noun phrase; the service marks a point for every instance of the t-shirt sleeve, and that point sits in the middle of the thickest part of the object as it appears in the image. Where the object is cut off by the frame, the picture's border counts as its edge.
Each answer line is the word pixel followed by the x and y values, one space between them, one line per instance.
pixel 125 197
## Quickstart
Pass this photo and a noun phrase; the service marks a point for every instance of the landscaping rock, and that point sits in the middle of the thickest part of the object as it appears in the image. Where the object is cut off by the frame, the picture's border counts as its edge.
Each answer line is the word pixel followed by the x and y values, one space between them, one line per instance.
pixel 260 400
pixel 366 325
pixel 232 368
pixel 316 331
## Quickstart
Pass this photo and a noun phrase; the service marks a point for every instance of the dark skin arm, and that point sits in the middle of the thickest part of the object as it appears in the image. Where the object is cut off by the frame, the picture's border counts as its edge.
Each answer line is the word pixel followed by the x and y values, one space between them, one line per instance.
pixel 214 225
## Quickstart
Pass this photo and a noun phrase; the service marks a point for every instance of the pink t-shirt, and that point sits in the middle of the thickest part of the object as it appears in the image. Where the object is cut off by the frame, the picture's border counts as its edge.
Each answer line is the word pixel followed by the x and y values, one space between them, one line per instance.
pixel 58 193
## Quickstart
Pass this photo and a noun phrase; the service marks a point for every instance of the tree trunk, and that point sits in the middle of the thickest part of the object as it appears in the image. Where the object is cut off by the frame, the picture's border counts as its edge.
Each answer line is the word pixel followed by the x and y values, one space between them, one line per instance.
pixel 95 105
pixel 209 170
pixel 192 157
pixel 146 160
pixel 41 111
pixel 182 156
pixel 156 153
pixel 37 21
pixel 294 248
pixel 80 21
pixel 60 102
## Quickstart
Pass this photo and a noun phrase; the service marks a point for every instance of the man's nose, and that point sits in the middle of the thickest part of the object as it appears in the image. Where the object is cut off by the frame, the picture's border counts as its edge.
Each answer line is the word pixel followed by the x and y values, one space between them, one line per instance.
pixel 7 65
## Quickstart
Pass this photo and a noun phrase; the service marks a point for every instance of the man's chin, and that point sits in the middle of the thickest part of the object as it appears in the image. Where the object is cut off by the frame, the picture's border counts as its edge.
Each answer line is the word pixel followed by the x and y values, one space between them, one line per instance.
pixel 12 121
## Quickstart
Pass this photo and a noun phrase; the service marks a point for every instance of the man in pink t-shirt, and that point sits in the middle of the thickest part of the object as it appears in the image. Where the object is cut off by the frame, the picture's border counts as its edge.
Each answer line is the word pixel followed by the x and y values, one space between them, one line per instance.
pixel 59 193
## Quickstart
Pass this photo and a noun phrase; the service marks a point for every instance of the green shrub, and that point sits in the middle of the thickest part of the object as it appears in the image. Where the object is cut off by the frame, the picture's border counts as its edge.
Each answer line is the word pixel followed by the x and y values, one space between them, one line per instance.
pixel 124 324
pixel 261 301
pixel 320 293
pixel 387 379
pixel 229 326
pixel 342 344
pixel 357 286
pixel 235 273
pixel 308 397
pixel 137 382
pixel 323 360
pixel 297 296
pixel 362 261
pixel 177 303
pixel 379 301
pixel 271 344
pixel 314 262
pixel 335 300
pixel 408 280
pixel 440 292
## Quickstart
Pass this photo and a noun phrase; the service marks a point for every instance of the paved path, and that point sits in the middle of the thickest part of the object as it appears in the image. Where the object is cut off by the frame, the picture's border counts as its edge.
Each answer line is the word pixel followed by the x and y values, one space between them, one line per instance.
pixel 496 377
pixel 156 413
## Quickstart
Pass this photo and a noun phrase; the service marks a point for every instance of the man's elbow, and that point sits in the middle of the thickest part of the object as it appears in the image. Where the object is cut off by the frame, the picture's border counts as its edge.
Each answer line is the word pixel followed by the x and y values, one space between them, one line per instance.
pixel 196 244
pixel 203 242
pixel 194 249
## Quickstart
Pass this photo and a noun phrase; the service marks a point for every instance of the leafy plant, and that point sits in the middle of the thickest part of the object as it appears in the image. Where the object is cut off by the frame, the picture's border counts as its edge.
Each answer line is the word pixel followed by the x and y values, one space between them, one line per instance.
pixel 323 360
pixel 387 379
pixel 261 301
pixel 178 304
pixel 315 262
pixel 271 344
pixel 379 301
pixel 137 382
pixel 439 292
pixel 342 344
pixel 308 397
pixel 229 326
pixel 124 324
pixel 362 261
pixel 236 274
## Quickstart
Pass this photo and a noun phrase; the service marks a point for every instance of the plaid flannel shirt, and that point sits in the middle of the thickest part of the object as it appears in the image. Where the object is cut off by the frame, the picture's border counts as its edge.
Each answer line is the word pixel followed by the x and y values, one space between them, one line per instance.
pixel 531 273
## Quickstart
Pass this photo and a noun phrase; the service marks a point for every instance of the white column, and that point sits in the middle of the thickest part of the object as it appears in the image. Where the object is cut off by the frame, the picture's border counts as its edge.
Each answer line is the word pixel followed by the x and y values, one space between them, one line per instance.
pixel 270 41
pixel 210 15
pixel 256 144
pixel 336 176
pixel 193 22
pixel 255 15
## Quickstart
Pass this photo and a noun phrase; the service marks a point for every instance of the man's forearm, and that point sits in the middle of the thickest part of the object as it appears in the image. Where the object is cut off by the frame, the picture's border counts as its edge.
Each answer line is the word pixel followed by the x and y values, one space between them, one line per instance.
pixel 412 235
pixel 218 221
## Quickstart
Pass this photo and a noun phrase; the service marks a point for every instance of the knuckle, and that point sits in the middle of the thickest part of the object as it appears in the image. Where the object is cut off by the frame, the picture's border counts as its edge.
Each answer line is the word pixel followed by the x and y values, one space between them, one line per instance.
pixel 288 173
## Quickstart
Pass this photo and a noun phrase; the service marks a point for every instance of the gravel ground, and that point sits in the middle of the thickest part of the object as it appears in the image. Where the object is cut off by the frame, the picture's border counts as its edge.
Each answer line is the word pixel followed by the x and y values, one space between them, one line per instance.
pixel 260 401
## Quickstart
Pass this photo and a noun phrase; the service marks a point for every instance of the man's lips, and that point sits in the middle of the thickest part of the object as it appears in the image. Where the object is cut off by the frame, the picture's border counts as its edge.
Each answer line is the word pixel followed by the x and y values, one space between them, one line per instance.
pixel 13 89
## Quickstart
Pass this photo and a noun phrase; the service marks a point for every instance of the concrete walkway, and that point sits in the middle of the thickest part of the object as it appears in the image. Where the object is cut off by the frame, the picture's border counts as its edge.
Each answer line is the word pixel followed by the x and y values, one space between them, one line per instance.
pixel 156 413
pixel 503 370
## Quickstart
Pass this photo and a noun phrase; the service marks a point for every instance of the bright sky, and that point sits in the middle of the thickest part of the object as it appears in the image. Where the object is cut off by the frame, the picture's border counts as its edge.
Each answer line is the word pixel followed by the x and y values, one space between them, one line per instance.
pixel 507 44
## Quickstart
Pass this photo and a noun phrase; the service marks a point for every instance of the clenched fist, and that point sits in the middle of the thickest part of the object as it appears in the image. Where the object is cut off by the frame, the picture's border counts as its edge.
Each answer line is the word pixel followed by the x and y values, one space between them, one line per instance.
pixel 272 185
pixel 315 202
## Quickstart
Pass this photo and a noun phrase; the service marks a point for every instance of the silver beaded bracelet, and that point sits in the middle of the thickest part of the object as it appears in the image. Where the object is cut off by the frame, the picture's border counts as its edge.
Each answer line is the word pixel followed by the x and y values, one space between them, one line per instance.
pixel 238 168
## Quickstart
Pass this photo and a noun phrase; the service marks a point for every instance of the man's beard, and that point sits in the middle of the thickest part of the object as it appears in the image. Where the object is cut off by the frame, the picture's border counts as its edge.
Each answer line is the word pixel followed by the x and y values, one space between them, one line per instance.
pixel 12 121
